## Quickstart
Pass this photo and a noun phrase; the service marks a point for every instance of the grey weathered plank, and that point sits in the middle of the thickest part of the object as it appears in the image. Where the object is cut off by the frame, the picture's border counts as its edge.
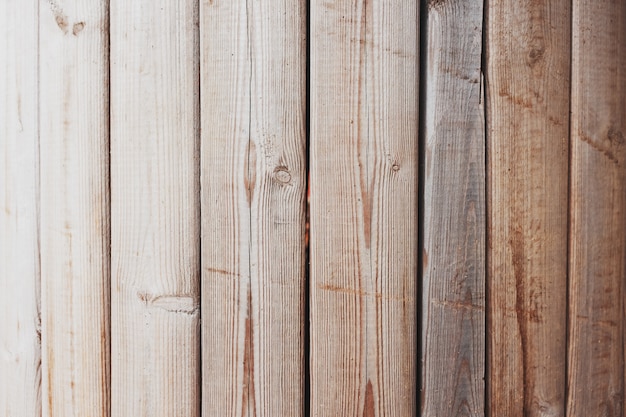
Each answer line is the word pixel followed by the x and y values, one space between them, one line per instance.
pixel 364 163
pixel 453 270
pixel 155 208
pixel 597 210
pixel 253 78
pixel 527 85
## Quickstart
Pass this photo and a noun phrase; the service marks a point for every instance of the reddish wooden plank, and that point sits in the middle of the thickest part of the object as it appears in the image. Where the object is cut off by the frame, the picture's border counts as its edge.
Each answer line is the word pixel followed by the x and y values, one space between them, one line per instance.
pixel 527 85
pixel 597 209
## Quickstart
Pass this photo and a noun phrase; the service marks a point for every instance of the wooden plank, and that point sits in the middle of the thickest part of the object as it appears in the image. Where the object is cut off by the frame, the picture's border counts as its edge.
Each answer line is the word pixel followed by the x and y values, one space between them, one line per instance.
pixel 597 207
pixel 20 341
pixel 453 266
pixel 364 162
pixel 155 210
pixel 253 83
pixel 74 207
pixel 527 86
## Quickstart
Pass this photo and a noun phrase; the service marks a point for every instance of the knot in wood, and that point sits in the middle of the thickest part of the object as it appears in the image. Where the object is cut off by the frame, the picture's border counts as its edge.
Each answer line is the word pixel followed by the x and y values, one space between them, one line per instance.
pixel 282 175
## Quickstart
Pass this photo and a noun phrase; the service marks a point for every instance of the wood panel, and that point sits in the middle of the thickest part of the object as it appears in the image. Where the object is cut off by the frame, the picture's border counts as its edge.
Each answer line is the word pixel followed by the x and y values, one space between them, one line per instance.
pixel 20 340
pixel 364 161
pixel 74 207
pixel 155 208
pixel 453 261
pixel 253 83
pixel 597 207
pixel 528 69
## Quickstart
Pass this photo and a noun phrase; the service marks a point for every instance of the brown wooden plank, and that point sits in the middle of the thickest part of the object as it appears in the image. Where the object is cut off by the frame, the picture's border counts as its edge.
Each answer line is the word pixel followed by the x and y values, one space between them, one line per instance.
pixel 20 323
pixel 527 85
pixel 155 208
pixel 453 270
pixel 597 209
pixel 364 161
pixel 74 158
pixel 253 81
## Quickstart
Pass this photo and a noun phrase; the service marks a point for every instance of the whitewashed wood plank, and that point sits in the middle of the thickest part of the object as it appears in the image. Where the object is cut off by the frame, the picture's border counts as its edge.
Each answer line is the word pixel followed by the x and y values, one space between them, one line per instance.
pixel 20 344
pixel 364 163
pixel 155 208
pixel 597 261
pixel 74 146
pixel 253 190
pixel 453 309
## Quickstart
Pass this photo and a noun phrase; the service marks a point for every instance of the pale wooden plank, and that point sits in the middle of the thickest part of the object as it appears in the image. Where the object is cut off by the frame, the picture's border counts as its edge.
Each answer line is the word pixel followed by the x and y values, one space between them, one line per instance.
pixel 253 190
pixel 364 161
pixel 74 207
pixel 20 344
pixel 155 208
pixel 453 309
pixel 528 67
pixel 597 208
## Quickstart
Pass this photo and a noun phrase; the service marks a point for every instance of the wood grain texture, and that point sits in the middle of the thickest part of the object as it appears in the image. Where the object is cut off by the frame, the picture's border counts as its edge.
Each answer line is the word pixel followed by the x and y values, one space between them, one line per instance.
pixel 528 70
pixel 253 214
pixel 364 161
pixel 74 207
pixel 155 205
pixel 597 208
pixel 20 344
pixel 453 270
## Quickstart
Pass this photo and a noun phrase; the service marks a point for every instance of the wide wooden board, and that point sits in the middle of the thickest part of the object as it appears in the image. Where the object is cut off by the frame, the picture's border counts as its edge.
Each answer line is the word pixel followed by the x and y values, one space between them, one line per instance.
pixel 253 83
pixel 597 210
pixel 155 208
pixel 74 145
pixel 20 326
pixel 364 163
pixel 453 259
pixel 527 86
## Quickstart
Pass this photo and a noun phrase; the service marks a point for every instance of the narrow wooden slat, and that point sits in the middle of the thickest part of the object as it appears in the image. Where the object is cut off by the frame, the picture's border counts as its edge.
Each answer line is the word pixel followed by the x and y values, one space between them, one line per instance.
pixel 253 190
pixel 155 208
pixel 20 347
pixel 528 70
pixel 74 207
pixel 364 160
pixel 597 209
pixel 453 318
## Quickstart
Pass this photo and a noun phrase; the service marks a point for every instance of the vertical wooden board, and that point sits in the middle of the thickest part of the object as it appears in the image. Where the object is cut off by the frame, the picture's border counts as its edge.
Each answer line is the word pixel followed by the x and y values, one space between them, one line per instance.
pixel 453 310
pixel 155 208
pixel 225 84
pixel 527 85
pixel 20 347
pixel 597 208
pixel 253 189
pixel 364 161
pixel 74 207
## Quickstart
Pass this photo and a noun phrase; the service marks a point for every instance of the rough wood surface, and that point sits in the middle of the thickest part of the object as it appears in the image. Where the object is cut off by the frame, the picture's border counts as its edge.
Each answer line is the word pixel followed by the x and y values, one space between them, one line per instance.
pixel 364 161
pixel 74 146
pixel 453 309
pixel 253 85
pixel 155 202
pixel 528 67
pixel 598 207
pixel 20 349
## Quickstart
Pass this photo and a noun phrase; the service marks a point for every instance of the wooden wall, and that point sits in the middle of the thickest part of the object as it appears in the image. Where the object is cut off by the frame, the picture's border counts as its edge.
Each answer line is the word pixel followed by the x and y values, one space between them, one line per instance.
pixel 312 208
